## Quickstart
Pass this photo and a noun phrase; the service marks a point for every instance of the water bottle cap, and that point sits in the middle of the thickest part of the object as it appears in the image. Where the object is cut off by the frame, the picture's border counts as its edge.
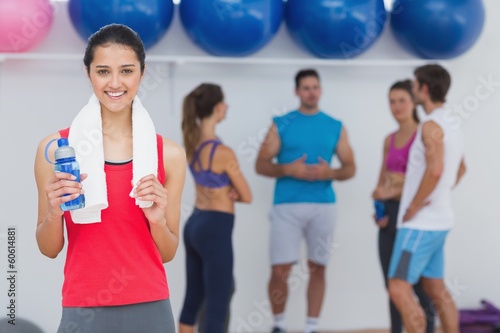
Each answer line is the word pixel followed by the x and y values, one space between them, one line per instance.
pixel 62 142
pixel 64 150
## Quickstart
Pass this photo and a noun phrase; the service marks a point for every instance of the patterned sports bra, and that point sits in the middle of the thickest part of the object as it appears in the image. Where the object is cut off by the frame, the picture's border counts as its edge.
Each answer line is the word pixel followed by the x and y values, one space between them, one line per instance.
pixel 206 177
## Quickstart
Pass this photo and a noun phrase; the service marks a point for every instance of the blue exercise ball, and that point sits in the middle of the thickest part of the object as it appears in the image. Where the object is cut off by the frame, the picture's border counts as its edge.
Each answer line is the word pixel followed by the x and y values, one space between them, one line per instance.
pixel 338 29
pixel 149 18
pixel 231 28
pixel 437 29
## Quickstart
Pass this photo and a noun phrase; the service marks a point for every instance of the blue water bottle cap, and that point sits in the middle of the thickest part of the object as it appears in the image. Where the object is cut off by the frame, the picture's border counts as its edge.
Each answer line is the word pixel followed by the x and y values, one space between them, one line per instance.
pixel 62 142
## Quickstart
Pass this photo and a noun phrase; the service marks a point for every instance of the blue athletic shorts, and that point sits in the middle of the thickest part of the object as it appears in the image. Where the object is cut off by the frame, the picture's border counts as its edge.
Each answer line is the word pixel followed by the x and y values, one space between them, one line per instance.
pixel 416 254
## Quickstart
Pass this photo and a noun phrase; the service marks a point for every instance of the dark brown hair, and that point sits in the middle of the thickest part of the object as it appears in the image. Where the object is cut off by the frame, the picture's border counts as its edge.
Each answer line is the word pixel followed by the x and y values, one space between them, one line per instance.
pixel 198 104
pixel 115 34
pixel 305 73
pixel 437 79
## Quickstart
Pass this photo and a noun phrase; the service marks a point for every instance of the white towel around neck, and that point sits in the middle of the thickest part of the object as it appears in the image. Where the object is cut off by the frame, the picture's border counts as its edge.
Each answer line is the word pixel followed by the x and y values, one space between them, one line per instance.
pixel 85 136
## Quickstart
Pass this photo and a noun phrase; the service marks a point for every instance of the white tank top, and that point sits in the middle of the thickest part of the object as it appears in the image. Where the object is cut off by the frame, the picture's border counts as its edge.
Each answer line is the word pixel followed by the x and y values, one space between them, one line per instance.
pixel 438 215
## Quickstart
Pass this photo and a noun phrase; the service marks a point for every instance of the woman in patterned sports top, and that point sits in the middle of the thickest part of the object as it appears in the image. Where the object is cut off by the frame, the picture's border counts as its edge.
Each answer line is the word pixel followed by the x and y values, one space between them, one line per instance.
pixel 208 232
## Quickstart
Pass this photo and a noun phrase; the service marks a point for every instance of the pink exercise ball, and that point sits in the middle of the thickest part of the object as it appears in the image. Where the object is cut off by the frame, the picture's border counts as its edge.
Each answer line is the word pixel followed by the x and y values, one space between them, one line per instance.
pixel 24 24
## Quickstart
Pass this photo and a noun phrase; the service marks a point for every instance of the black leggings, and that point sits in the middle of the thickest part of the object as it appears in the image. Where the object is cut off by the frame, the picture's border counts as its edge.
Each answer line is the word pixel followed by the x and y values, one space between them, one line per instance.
pixel 209 268
pixel 203 310
pixel 386 238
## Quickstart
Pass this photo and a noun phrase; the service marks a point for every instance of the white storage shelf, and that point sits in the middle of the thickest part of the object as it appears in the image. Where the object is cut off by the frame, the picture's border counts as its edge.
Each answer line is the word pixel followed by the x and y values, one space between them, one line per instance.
pixel 175 47
pixel 181 60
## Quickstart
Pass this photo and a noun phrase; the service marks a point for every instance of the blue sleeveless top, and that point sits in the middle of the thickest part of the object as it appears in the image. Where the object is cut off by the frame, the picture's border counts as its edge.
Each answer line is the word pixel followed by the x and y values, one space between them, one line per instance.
pixel 316 136
pixel 206 177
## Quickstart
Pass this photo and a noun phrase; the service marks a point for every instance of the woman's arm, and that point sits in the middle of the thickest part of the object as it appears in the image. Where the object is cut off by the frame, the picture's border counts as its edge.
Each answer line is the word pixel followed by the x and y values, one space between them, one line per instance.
pixel 387 187
pixel 232 168
pixel 51 188
pixel 164 215
pixel 383 169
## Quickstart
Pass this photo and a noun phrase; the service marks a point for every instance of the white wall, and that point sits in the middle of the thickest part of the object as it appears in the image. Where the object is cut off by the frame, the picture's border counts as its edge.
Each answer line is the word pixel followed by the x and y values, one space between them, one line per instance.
pixel 40 97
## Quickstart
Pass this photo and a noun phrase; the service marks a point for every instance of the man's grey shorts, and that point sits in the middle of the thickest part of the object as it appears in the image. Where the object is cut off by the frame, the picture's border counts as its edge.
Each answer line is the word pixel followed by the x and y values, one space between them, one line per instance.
pixel 290 222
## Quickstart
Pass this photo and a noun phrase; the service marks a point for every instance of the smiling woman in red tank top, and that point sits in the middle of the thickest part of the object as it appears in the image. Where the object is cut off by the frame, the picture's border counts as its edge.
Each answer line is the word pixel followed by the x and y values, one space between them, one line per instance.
pixel 114 279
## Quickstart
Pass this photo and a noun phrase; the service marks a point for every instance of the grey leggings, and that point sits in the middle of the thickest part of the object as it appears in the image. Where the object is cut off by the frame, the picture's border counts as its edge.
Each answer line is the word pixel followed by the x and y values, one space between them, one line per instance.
pixel 150 317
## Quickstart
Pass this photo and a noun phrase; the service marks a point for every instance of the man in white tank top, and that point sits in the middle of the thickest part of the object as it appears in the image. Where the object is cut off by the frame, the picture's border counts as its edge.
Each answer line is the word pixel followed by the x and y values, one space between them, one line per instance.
pixel 435 166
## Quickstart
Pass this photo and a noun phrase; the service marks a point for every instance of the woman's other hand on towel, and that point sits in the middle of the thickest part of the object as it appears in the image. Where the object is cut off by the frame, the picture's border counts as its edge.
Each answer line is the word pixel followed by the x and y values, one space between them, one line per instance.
pixel 61 184
pixel 150 189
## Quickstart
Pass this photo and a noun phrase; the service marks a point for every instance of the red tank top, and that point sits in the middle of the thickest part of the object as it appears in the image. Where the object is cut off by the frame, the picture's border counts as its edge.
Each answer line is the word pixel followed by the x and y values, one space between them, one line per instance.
pixel 115 262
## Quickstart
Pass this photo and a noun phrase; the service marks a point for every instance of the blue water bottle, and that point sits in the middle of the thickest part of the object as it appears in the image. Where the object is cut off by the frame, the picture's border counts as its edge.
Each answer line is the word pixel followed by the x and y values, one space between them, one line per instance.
pixel 379 209
pixel 66 162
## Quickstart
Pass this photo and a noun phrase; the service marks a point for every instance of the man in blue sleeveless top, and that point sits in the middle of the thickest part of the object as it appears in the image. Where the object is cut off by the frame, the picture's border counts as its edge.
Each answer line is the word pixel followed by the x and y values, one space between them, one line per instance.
pixel 303 142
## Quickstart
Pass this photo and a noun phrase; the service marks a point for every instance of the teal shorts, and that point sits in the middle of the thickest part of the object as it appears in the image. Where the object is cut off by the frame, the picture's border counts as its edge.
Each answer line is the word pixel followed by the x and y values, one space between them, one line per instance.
pixel 416 254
